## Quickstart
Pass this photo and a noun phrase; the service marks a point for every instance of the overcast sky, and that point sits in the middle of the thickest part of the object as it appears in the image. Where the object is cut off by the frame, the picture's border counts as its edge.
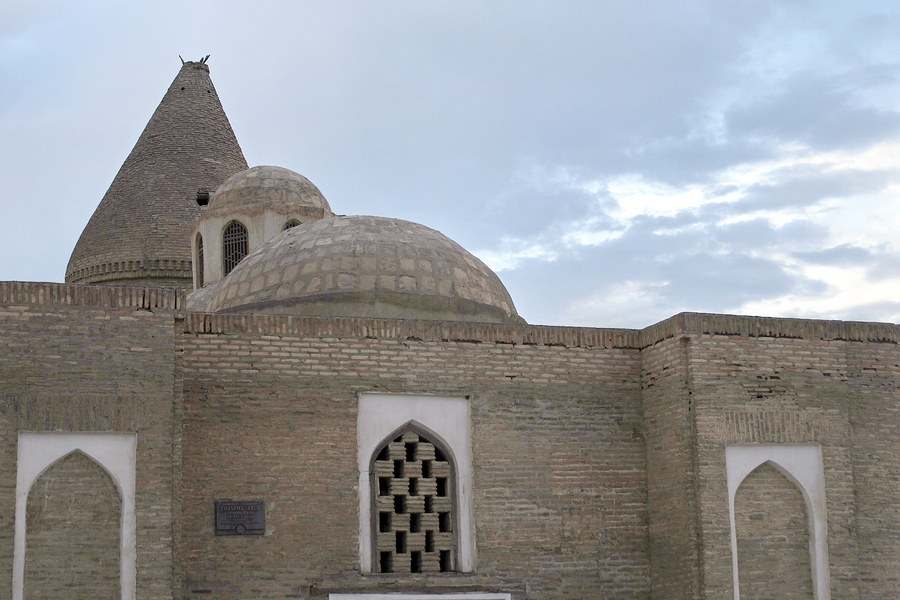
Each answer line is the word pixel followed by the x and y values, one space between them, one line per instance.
pixel 616 162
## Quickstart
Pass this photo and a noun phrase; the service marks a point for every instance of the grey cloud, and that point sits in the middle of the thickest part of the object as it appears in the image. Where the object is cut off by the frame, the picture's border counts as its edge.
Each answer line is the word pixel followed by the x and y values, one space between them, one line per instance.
pixel 804 187
pixel 884 311
pixel 886 266
pixel 708 267
pixel 876 311
pixel 843 255
pixel 817 110
pixel 761 234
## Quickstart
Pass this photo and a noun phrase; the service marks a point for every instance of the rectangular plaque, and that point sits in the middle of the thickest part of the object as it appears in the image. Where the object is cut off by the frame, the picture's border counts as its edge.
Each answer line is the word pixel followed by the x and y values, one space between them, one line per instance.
pixel 240 518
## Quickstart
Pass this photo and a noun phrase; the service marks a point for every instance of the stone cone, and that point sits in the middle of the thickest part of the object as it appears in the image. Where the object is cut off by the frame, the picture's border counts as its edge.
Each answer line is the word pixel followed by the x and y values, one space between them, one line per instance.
pixel 140 232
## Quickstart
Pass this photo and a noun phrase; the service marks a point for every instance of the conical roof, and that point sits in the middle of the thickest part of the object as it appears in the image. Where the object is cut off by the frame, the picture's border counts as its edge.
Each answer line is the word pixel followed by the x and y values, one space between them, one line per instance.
pixel 140 232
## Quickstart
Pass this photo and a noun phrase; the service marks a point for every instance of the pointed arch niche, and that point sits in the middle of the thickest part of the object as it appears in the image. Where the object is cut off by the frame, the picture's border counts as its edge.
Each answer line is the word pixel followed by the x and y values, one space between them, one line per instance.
pixel 802 466
pixel 413 503
pixel 114 453
pixel 440 419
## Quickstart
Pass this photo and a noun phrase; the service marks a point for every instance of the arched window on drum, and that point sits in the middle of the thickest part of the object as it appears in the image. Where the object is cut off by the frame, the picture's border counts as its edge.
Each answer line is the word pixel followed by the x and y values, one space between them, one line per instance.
pixel 234 245
pixel 199 261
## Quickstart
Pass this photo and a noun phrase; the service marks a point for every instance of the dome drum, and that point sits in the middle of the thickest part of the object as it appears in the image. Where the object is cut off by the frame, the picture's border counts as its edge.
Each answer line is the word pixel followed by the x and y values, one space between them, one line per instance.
pixel 263 200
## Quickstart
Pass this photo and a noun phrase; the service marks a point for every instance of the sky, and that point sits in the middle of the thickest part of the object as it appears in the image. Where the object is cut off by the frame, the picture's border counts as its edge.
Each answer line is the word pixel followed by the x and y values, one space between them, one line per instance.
pixel 615 162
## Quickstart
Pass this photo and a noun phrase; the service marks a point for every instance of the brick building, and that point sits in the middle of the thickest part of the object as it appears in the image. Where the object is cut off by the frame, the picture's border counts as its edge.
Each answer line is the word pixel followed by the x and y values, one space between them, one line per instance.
pixel 240 395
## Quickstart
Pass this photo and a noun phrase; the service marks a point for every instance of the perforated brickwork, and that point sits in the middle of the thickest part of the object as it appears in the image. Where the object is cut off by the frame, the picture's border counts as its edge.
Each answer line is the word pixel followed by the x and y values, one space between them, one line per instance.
pixel 413 504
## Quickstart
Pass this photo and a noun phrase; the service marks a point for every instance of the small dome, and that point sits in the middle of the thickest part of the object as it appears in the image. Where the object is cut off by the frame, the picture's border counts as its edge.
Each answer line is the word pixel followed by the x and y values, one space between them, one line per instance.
pixel 365 267
pixel 272 186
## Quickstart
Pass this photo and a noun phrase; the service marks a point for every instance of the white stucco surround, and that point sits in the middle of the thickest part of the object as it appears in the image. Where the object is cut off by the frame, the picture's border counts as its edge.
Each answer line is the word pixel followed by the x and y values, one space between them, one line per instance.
pixel 115 452
pixel 419 597
pixel 802 464
pixel 382 414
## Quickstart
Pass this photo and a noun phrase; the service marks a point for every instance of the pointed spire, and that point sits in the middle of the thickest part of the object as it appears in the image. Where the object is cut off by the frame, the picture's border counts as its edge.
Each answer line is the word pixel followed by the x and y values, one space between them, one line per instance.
pixel 140 232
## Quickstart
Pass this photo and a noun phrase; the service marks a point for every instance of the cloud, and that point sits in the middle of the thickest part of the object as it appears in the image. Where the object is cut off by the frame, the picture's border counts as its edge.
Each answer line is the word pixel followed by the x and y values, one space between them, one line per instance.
pixel 798 187
pixel 623 158
pixel 816 112
pixel 843 255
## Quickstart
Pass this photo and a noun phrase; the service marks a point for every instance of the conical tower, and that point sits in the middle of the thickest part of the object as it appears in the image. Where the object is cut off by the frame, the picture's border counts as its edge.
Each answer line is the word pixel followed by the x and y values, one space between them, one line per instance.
pixel 140 232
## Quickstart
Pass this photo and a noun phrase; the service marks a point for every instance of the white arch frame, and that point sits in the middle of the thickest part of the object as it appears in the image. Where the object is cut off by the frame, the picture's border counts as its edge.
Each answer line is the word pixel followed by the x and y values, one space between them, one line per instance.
pixel 114 452
pixel 801 464
pixel 448 417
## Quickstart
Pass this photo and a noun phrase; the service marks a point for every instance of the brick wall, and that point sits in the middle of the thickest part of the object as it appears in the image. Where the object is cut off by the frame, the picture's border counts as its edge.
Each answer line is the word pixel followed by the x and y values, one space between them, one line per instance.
pixel 569 500
pixel 270 414
pixel 671 474
pixel 785 381
pixel 81 358
pixel 874 382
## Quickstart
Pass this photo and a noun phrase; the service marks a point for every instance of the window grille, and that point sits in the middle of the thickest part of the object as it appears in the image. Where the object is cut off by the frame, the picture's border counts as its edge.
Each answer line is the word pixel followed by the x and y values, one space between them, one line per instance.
pixel 199 261
pixel 234 245
pixel 413 506
pixel 291 223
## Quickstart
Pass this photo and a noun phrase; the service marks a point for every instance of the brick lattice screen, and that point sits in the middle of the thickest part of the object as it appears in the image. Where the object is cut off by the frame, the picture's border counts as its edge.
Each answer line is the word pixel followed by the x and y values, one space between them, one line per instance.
pixel 413 505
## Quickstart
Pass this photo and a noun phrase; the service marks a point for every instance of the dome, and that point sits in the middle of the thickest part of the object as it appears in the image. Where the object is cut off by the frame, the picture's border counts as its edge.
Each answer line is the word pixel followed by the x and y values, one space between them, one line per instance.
pixel 251 208
pixel 276 187
pixel 361 266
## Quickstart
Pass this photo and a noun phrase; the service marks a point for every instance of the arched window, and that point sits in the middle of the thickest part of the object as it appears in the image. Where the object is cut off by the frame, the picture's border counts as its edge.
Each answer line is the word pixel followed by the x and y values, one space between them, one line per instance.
pixel 234 245
pixel 199 261
pixel 291 223
pixel 413 505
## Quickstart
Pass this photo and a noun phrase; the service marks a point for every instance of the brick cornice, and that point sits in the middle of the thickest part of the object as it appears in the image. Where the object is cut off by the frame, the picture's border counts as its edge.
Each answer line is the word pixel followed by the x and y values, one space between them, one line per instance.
pixel 131 269
pixel 105 296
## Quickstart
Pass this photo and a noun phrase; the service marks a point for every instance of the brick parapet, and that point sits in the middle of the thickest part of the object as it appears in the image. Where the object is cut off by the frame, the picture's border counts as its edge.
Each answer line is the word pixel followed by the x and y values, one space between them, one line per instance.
pixel 103 296
pixel 774 327
pixel 150 297
pixel 402 329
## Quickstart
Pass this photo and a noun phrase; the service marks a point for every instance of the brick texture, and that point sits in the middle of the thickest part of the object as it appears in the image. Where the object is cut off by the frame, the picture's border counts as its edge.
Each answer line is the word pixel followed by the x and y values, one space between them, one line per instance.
pixel 83 358
pixel 559 490
pixel 598 454
pixel 140 233
pixel 74 522
pixel 772 537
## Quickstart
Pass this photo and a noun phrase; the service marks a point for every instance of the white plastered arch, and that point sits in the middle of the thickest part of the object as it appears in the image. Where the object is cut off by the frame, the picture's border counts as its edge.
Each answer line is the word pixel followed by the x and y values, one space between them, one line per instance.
pixel 801 464
pixel 114 452
pixel 448 417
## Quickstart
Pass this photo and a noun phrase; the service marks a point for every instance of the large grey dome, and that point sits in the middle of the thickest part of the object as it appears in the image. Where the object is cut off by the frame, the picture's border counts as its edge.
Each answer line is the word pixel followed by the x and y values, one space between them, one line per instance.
pixel 363 266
